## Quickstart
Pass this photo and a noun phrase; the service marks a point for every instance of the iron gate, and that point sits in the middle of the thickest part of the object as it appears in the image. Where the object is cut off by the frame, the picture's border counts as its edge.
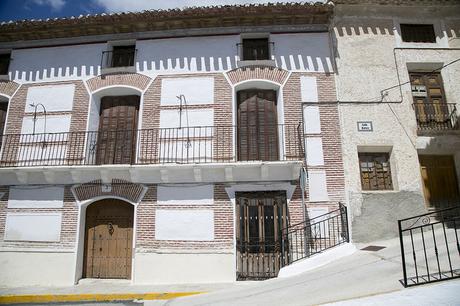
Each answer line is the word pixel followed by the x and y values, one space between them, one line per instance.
pixel 430 249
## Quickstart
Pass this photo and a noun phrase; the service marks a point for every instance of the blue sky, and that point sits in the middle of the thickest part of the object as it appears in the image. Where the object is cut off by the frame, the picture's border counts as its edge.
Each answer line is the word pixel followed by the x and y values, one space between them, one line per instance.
pixel 42 9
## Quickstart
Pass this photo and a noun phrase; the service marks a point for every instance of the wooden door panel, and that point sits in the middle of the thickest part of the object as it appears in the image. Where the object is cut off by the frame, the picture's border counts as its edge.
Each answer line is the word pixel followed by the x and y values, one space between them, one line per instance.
pixel 108 239
pixel 440 180
pixel 257 125
pixel 117 130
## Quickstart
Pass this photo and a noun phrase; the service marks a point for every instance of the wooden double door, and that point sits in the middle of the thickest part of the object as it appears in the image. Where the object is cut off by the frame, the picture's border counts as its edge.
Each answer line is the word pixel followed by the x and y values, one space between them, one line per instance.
pixel 116 139
pixel 108 239
pixel 260 218
pixel 439 180
pixel 257 128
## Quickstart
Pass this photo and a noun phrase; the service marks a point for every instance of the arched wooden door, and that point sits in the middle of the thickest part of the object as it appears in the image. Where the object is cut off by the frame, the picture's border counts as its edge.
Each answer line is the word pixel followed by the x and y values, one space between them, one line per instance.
pixel 108 239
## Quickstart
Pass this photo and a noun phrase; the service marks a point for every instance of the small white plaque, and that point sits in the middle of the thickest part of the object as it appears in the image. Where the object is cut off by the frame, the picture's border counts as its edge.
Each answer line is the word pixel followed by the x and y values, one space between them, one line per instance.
pixel 365 126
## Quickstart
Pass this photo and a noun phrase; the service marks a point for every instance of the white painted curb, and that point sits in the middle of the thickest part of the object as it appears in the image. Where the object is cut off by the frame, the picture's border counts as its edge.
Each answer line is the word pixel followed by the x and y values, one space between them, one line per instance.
pixel 317 260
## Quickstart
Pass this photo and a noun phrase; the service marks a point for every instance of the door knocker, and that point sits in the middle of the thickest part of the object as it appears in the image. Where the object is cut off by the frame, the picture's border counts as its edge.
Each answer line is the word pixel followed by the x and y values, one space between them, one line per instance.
pixel 111 230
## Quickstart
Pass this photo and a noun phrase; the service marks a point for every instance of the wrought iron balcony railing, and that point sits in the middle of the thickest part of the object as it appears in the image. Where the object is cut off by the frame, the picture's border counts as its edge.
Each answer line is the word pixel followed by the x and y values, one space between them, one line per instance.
pixel 436 116
pixel 203 144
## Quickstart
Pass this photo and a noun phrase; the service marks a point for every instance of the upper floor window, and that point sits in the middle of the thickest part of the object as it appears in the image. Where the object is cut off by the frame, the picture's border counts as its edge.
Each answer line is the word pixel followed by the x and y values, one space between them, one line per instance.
pixel 418 33
pixel 256 49
pixel 123 56
pixel 4 63
pixel 375 171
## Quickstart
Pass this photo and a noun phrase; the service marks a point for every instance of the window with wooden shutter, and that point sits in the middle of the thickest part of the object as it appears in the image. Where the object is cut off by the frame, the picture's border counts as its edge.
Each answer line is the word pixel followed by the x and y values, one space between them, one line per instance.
pixel 4 63
pixel 375 171
pixel 418 33
pixel 123 56
pixel 255 49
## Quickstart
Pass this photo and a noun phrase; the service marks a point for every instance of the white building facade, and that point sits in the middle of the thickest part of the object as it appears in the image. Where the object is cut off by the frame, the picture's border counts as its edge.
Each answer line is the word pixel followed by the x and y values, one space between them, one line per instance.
pixel 167 147
pixel 397 86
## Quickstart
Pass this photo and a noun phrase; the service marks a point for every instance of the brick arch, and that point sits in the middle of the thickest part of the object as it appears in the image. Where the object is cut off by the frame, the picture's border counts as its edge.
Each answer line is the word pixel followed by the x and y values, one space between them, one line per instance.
pixel 120 79
pixel 118 188
pixel 8 88
pixel 242 74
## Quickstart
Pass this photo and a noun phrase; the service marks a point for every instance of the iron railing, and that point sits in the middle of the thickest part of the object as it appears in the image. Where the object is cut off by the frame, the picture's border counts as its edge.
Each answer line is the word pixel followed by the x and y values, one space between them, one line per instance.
pixel 202 144
pixel 314 235
pixel 270 52
pixel 118 58
pixel 5 60
pixel 430 248
pixel 436 116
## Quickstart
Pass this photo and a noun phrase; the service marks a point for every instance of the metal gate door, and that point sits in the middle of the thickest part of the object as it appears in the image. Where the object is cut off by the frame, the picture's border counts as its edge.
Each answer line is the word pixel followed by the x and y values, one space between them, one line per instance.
pixel 260 216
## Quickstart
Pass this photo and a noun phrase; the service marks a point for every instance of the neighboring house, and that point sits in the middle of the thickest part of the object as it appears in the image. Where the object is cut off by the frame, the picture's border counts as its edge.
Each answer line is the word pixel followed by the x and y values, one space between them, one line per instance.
pixel 168 146
pixel 398 72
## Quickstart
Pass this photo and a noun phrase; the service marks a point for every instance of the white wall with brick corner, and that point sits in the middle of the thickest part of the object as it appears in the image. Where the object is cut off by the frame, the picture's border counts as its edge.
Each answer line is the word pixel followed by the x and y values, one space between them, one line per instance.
pixel 171 118
pixel 33 268
pixel 184 268
pixel 317 186
pixel 44 227
pixel 190 225
pixel 36 197
pixel 52 97
pixel 196 90
pixel 185 194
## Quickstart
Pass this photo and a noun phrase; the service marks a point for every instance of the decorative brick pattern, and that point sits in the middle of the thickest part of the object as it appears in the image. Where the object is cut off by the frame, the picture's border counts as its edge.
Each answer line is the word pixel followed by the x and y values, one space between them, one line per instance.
pixel 119 188
pixel 8 88
pixel 273 74
pixel 128 79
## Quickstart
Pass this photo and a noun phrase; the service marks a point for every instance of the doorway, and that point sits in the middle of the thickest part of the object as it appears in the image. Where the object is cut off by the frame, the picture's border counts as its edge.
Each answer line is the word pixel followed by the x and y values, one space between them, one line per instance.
pixel 108 239
pixel 439 181
pixel 116 143
pixel 260 218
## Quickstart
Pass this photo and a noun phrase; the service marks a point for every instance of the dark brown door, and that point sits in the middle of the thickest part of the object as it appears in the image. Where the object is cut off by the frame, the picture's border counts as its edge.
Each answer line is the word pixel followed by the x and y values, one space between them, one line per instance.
pixel 257 127
pixel 260 217
pixel 117 130
pixel 108 239
pixel 440 181
pixel 3 110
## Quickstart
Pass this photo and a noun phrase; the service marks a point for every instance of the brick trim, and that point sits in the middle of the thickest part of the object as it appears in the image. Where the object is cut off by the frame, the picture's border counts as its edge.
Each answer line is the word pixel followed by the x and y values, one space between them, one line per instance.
pixel 121 79
pixel 8 88
pixel 119 188
pixel 273 74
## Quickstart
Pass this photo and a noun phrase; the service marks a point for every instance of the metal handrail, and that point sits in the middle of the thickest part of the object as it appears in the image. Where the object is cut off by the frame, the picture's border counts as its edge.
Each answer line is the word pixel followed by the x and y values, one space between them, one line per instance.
pixel 196 144
pixel 436 116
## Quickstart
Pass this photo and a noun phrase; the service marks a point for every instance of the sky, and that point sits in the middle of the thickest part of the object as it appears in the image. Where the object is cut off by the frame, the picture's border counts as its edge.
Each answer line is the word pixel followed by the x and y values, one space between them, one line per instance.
pixel 42 9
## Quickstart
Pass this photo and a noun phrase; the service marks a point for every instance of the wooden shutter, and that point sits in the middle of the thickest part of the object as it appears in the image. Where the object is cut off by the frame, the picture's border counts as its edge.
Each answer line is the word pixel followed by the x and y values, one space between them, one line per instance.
pixel 255 49
pixel 375 171
pixel 117 130
pixel 257 125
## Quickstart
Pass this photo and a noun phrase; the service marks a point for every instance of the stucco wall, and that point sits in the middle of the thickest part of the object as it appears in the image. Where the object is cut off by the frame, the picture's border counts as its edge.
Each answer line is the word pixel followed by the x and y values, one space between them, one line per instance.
pixel 365 39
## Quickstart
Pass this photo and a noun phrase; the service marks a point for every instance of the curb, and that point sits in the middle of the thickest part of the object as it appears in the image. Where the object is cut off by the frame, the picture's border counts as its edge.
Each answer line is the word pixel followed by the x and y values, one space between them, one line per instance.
pixel 90 297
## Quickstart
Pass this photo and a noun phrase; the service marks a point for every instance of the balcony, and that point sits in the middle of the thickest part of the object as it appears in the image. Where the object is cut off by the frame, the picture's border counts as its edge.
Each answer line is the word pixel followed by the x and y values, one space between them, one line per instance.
pixel 436 117
pixel 212 147
pixel 119 60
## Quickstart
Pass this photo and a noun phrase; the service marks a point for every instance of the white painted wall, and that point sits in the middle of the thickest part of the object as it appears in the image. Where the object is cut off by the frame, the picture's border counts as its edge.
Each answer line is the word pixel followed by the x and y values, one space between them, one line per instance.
pixel 44 269
pixel 302 51
pixel 192 225
pixel 53 97
pixel 33 226
pixel 184 268
pixel 185 194
pixel 314 150
pixel 54 124
pixel 312 123
pixel 198 90
pixel 317 187
pixel 36 197
pixel 308 89
pixel 170 118
pixel 56 63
